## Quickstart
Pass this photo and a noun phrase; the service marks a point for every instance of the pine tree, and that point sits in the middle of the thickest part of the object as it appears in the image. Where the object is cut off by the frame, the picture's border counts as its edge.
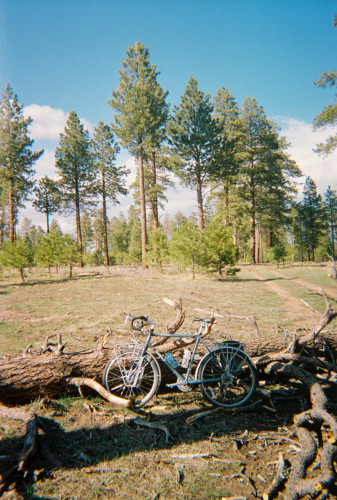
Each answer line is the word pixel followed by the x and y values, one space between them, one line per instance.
pixel 311 218
pixel 219 250
pixel 266 172
pixel 16 156
pixel 140 114
pixel 17 254
pixel 156 182
pixel 87 231
pixel 47 198
pixel 328 116
pixel 225 165
pixel 98 229
pixel 119 237
pixel 109 178
pixel 194 136
pixel 76 173
pixel 48 250
pixel 70 252
pixel 186 247
pixel 330 202
pixel 158 248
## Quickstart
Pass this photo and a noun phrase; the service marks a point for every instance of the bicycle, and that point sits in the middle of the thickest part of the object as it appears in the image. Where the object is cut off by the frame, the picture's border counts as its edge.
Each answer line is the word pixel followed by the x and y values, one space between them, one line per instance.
pixel 226 375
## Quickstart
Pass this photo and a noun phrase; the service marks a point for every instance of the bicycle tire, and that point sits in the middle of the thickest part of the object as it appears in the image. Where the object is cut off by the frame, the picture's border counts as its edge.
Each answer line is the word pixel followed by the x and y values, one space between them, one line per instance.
pixel 237 374
pixel 118 378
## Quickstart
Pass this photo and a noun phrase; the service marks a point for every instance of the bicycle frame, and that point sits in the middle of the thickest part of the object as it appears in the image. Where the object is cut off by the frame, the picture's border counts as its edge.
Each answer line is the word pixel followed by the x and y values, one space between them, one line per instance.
pixel 181 378
pixel 225 374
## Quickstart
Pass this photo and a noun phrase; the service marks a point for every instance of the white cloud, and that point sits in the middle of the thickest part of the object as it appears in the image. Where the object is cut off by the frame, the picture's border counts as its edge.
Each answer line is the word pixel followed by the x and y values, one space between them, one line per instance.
pixel 45 165
pixel 303 140
pixel 48 123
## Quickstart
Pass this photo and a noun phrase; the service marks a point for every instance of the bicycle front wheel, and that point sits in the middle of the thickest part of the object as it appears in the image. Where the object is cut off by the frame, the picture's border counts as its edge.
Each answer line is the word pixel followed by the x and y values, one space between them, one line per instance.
pixel 227 377
pixel 131 377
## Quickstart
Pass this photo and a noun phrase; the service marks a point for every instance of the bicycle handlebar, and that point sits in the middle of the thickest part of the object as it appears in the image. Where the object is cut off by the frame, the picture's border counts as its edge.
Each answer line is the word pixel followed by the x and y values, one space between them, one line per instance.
pixel 138 322
pixel 205 320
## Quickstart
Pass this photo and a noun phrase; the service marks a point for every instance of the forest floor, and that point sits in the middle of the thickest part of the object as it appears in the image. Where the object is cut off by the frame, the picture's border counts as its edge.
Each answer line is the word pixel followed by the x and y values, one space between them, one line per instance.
pixel 99 451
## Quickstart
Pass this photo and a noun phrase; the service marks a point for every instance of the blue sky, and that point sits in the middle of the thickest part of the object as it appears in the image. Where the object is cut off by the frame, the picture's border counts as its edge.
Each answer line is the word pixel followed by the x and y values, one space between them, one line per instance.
pixel 63 55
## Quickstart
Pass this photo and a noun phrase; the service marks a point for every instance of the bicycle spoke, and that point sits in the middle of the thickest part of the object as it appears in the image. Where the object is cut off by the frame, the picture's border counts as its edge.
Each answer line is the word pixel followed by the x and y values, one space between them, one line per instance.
pixel 228 377
pixel 128 376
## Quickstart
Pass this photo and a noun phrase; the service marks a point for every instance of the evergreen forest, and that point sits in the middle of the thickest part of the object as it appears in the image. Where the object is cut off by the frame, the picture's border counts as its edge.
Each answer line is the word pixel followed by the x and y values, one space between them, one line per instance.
pixel 253 203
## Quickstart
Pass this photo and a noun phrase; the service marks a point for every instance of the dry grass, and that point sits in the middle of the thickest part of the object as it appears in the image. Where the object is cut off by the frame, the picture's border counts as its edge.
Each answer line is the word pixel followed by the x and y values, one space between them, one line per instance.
pixel 104 454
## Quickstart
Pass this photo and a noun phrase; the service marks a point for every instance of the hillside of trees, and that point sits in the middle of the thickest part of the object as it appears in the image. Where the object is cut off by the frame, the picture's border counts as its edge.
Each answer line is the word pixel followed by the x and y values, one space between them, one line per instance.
pixel 232 157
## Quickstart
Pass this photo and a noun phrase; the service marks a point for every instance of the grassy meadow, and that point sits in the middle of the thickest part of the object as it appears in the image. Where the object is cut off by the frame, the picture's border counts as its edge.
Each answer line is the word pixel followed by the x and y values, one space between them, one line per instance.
pixel 82 308
pixel 102 453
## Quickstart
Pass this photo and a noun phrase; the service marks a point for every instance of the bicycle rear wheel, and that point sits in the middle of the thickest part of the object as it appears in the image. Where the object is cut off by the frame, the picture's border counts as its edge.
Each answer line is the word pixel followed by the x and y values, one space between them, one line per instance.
pixel 228 377
pixel 130 377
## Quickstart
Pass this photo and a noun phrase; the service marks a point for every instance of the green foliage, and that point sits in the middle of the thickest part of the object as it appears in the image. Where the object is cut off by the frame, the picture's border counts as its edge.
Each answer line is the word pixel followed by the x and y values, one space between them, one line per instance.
pixel 49 249
pixel 95 258
pixel 266 171
pixel 110 180
pixel 277 254
pixel 70 252
pixel 186 246
pixel 74 165
pixel 134 254
pixel 310 221
pixel 158 248
pixel 219 250
pixel 330 203
pixel 140 115
pixel 16 156
pixel 139 101
pixel 17 254
pixel 47 198
pixel 328 116
pixel 75 168
pixel 119 236
pixel 194 136
pixel 87 231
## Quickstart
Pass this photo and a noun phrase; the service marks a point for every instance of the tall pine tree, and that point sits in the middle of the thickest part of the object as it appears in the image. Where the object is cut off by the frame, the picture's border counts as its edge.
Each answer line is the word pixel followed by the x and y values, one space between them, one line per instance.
pixel 266 171
pixel 16 156
pixel 224 167
pixel 311 218
pixel 75 169
pixel 140 113
pixel 194 136
pixel 109 181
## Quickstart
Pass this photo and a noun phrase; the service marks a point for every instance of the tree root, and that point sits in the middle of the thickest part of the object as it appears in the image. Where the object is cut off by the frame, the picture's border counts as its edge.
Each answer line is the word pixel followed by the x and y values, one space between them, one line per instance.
pixel 79 382
pixel 308 425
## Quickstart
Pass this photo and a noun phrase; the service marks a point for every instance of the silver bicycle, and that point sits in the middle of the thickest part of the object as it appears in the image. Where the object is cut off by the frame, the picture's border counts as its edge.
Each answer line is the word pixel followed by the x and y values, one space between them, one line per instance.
pixel 225 375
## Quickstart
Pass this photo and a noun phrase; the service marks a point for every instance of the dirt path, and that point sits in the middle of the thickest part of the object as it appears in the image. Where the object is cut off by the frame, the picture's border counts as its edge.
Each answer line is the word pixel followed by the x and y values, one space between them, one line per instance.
pixel 297 313
pixel 332 291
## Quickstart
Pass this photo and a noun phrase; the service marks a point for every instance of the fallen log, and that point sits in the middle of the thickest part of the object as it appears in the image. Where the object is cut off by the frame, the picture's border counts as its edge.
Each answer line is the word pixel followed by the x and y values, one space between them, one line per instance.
pixel 45 373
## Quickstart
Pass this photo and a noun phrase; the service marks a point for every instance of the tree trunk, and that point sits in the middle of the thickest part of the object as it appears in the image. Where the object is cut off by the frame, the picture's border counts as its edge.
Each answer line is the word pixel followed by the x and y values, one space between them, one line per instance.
pixel 253 222
pixel 226 202
pixel 154 197
pixel 11 214
pixel 47 217
pixel 105 226
pixel 200 202
pixel 142 203
pixel 2 226
pixel 78 226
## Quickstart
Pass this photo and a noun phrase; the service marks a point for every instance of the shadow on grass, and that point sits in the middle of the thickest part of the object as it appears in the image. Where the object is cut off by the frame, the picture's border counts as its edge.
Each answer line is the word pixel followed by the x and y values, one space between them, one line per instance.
pixel 90 445
pixel 255 280
pixel 49 281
